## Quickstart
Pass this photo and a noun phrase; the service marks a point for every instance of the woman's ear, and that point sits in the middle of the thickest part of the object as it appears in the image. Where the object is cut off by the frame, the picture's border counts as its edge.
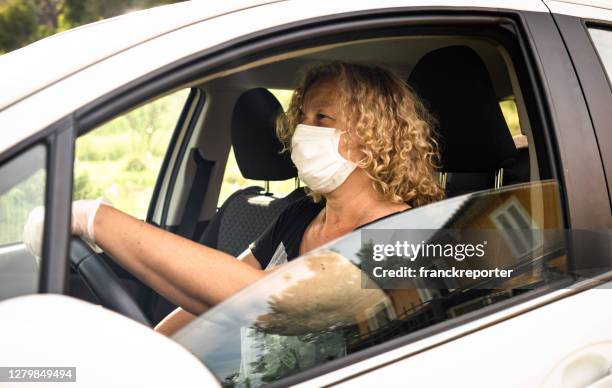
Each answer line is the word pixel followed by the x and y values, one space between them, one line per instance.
pixel 343 145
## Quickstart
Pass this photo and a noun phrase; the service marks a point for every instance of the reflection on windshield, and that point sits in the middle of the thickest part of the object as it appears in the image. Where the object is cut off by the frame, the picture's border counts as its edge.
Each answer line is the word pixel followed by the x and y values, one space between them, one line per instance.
pixel 316 308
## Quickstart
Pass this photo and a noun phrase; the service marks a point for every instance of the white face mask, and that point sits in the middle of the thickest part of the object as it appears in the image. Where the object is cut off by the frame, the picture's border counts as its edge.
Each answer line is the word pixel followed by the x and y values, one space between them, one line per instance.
pixel 315 154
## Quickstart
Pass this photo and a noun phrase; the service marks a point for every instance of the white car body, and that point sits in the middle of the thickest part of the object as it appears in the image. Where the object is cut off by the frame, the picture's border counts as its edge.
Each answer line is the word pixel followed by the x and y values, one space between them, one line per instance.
pixel 84 64
pixel 55 330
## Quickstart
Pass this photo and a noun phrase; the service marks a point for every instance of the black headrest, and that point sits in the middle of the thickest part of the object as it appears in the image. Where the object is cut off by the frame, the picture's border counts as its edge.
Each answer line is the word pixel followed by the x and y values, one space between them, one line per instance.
pixel 256 146
pixel 454 84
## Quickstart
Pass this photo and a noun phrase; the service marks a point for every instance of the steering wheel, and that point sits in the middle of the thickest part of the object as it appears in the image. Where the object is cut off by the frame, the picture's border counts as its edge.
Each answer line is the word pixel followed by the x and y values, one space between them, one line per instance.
pixel 103 281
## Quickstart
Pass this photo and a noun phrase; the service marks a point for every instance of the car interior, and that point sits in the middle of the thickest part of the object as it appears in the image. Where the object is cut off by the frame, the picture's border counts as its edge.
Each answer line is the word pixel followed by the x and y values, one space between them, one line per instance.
pixel 462 80
pixel 462 83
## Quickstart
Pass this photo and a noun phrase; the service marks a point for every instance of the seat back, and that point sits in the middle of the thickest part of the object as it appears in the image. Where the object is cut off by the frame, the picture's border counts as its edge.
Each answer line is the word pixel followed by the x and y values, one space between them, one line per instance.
pixel 243 217
pixel 475 142
pixel 248 212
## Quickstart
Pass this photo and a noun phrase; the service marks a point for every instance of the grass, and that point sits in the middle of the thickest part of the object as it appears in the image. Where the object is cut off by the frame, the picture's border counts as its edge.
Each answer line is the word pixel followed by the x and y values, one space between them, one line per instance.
pixel 121 159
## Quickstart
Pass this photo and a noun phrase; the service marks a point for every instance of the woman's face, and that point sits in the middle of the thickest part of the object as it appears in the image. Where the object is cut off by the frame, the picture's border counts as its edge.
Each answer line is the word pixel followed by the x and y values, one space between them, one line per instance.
pixel 321 108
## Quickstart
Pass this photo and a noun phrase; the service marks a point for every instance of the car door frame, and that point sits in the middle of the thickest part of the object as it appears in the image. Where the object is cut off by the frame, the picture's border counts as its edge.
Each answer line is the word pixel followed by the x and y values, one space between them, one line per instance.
pixel 596 86
pixel 58 139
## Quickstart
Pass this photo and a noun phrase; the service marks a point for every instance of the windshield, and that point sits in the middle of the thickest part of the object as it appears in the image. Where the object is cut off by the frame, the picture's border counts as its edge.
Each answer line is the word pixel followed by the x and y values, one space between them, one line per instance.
pixel 330 303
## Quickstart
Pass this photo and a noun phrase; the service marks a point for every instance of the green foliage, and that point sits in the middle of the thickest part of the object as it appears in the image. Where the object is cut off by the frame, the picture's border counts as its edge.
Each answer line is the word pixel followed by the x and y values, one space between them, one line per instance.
pixel 121 159
pixel 87 11
pixel 16 204
pixel 24 21
pixel 510 113
pixel 17 25
pixel 135 164
pixel 83 187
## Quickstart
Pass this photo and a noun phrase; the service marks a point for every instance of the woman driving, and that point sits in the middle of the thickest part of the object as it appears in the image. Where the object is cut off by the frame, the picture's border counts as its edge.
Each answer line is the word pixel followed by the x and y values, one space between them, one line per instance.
pixel 362 144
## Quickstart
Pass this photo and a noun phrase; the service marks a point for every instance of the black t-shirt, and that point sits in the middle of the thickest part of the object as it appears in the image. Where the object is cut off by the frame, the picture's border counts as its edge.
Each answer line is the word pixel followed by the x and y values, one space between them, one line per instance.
pixel 280 242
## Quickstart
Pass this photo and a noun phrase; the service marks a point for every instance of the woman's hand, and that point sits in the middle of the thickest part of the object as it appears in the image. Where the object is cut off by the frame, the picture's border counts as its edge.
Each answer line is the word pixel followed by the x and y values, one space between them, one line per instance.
pixel 83 215
pixel 33 231
pixel 189 274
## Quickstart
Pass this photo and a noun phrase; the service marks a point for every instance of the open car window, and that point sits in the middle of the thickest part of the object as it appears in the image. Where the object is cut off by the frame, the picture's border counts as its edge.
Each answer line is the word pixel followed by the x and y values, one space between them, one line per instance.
pixel 330 303
pixel 120 160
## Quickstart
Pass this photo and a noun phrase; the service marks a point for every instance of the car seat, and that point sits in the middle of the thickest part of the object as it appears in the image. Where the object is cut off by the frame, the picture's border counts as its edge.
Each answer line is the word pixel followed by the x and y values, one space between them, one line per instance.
pixel 475 142
pixel 247 213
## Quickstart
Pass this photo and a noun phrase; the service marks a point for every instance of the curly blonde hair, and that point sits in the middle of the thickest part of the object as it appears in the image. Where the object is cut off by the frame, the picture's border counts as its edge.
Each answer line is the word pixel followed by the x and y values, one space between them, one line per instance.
pixel 392 127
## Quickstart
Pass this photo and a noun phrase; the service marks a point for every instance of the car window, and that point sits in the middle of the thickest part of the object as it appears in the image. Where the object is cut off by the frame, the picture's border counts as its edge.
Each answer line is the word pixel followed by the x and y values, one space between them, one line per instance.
pixel 603 43
pixel 120 160
pixel 332 302
pixel 22 189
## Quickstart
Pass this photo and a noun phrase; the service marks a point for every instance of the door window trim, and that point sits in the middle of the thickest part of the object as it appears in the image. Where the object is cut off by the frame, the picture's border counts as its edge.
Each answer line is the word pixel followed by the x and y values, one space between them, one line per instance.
pixel 187 106
pixel 58 202
pixel 180 159
pixel 58 139
pixel 596 87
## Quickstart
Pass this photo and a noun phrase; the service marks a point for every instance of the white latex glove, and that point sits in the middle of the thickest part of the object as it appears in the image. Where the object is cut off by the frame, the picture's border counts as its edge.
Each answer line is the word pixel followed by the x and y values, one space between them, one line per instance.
pixel 33 232
pixel 83 214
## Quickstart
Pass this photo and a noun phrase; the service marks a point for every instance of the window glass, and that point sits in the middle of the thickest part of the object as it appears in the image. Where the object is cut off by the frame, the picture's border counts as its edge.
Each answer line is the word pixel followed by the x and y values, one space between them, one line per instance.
pixel 121 159
pixel 603 43
pixel 22 188
pixel 330 303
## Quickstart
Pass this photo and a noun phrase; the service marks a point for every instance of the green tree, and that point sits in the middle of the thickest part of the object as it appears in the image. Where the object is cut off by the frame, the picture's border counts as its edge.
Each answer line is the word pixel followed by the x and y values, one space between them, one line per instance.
pixel 24 21
pixel 48 13
pixel 18 25
pixel 86 11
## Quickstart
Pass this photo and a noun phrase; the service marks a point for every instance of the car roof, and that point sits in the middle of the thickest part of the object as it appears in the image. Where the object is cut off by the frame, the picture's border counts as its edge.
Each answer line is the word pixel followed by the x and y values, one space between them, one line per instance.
pixel 591 3
pixel 46 61
pixel 58 75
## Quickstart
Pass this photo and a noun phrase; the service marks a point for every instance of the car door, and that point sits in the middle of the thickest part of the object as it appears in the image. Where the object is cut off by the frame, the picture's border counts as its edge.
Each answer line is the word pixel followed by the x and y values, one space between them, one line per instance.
pixel 333 316
pixel 561 339
pixel 121 161
pixel 556 225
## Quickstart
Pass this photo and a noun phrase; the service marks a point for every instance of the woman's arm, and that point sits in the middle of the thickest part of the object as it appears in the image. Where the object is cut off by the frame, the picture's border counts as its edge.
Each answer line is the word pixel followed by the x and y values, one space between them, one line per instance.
pixel 190 275
pixel 177 319
pixel 174 321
